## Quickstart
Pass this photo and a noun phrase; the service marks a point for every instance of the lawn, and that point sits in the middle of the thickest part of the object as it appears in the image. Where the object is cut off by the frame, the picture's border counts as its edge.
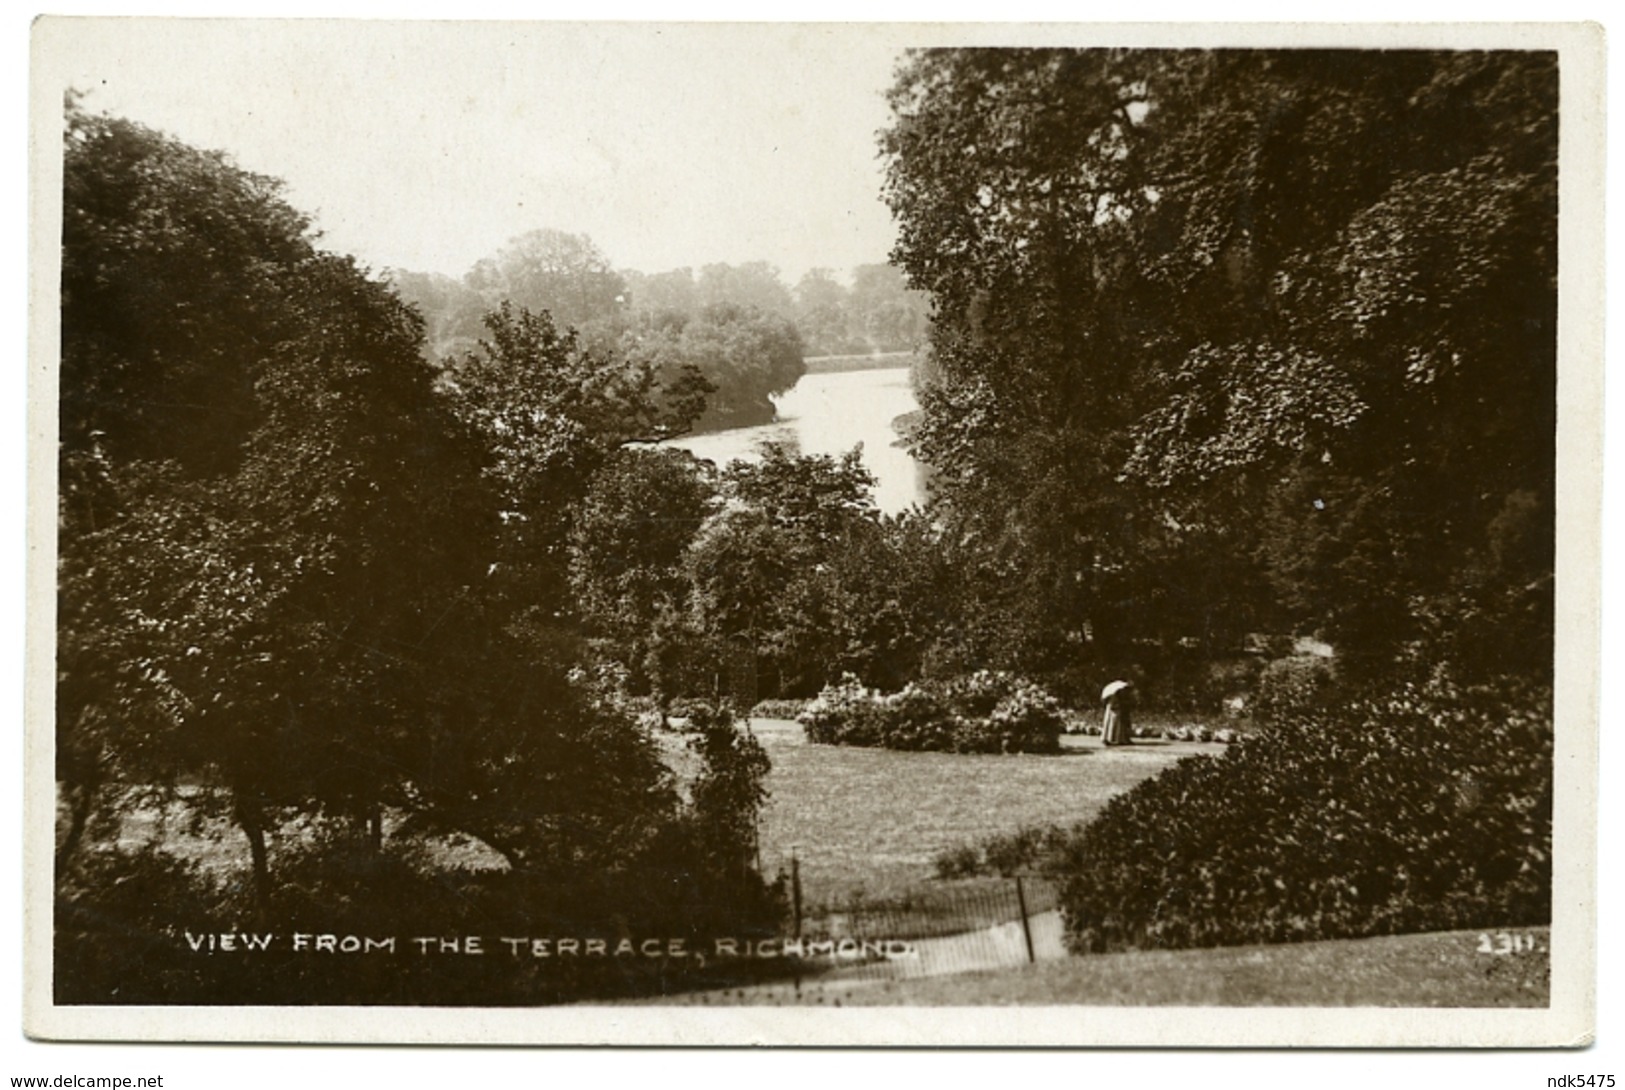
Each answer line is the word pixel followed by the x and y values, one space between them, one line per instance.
pixel 863 822
pixel 871 821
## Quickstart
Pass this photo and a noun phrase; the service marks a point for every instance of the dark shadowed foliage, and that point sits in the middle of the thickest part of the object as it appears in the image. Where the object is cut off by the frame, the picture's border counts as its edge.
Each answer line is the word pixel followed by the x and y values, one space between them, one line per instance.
pixel 1429 808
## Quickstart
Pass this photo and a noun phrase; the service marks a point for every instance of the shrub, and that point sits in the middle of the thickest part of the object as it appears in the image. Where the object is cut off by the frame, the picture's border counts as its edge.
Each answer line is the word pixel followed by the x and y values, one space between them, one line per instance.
pixel 777 709
pixel 114 937
pixel 1428 807
pixel 842 714
pixel 961 862
pixel 985 712
pixel 1029 848
pixel 1011 853
pixel 1184 680
pixel 1290 688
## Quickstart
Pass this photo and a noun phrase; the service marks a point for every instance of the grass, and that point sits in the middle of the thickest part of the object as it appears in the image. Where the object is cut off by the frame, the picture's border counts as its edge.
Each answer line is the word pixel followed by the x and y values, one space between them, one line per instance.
pixel 864 823
pixel 194 825
pixel 1440 969
pixel 867 824
pixel 871 822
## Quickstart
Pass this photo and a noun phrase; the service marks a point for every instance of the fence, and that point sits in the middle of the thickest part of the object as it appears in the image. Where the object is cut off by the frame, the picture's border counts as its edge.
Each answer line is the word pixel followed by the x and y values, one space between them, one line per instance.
pixel 935 929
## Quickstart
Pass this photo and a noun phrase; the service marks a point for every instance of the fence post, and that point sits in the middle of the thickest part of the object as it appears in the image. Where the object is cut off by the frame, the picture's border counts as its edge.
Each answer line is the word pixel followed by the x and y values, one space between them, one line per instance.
pixel 1026 928
pixel 795 888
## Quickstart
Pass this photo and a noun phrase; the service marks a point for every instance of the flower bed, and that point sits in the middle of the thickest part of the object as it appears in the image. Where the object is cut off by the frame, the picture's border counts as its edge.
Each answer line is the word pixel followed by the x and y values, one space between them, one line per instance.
pixel 985 712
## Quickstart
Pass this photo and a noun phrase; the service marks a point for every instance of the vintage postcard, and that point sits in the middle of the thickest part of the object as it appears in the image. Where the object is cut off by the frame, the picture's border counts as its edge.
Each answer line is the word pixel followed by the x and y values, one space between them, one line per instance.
pixel 840 534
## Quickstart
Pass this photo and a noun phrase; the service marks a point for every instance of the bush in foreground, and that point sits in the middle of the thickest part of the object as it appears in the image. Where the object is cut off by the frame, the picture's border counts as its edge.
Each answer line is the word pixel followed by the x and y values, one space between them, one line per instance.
pixel 985 712
pixel 1426 808
pixel 1027 849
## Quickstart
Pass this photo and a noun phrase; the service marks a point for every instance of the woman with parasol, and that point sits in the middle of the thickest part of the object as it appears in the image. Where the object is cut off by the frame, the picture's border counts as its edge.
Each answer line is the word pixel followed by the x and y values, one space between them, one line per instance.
pixel 1118 728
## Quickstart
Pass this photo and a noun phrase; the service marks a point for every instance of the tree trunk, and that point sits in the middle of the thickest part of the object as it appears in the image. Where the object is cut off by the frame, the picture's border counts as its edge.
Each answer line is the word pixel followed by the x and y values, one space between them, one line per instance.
pixel 81 773
pixel 81 802
pixel 252 822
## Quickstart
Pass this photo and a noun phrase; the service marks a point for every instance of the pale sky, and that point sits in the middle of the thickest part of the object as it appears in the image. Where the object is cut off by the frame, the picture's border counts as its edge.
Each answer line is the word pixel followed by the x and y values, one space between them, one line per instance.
pixel 428 145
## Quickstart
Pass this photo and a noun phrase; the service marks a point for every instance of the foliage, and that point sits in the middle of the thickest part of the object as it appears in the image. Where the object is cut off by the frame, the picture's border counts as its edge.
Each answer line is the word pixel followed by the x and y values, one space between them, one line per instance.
pixel 1196 681
pixel 453 313
pixel 354 596
pixel 821 315
pixel 745 355
pixel 879 313
pixel 112 938
pixel 1424 808
pixel 1024 851
pixel 244 601
pixel 147 220
pixel 123 920
pixel 551 414
pixel 561 274
pixel 754 285
pixel 630 532
pixel 777 709
pixel 1291 688
pixel 727 796
pixel 885 311
pixel 986 712
pixel 1226 341
pixel 759 567
pixel 962 861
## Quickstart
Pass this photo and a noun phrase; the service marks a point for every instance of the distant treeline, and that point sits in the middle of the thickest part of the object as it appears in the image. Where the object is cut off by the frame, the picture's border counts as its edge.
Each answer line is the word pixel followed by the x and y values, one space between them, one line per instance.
pixel 741 326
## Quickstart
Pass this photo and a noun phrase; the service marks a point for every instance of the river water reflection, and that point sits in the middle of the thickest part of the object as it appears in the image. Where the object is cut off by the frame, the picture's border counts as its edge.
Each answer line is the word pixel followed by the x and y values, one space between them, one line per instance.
pixel 830 414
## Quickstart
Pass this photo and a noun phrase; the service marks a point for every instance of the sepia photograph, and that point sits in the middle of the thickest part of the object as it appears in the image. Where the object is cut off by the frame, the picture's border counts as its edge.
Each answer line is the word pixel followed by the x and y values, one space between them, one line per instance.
pixel 788 533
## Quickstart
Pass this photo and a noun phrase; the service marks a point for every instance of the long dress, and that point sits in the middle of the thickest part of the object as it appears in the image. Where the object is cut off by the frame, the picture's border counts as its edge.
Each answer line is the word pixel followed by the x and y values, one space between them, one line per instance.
pixel 1118 728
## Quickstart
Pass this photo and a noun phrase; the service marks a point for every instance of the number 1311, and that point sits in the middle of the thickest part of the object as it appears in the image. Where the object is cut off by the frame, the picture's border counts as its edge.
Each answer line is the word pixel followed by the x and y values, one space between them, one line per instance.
pixel 1506 942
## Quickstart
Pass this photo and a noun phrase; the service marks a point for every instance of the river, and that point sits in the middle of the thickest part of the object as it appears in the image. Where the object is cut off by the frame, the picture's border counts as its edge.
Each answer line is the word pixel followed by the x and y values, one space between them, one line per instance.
pixel 830 414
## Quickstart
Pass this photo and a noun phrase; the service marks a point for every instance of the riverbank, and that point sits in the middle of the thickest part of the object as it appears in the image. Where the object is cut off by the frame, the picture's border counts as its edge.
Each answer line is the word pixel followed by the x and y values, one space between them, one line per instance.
pixel 877 361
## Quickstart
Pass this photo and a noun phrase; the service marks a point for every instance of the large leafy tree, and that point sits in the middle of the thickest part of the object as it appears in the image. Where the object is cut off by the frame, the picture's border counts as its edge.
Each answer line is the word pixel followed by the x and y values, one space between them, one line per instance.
pixel 453 313
pixel 564 274
pixel 751 284
pixel 552 413
pixel 283 555
pixel 745 355
pixel 763 569
pixel 1005 170
pixel 885 312
pixel 258 489
pixel 1382 380
pixel 636 522
pixel 1271 328
pixel 822 315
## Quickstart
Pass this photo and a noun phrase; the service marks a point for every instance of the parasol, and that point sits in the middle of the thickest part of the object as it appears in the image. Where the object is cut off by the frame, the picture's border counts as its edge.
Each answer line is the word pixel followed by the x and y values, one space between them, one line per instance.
pixel 1113 689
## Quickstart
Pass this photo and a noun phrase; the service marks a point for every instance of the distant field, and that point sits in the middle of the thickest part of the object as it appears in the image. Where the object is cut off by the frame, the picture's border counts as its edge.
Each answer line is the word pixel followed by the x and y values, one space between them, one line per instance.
pixel 873 820
pixel 828 365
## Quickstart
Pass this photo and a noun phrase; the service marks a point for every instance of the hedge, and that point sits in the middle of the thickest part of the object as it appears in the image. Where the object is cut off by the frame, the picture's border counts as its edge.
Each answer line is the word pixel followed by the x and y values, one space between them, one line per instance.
pixel 1426 808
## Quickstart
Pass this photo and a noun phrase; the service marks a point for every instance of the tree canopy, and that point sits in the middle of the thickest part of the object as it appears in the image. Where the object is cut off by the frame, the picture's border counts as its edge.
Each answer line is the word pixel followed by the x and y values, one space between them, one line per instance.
pixel 287 543
pixel 1274 327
